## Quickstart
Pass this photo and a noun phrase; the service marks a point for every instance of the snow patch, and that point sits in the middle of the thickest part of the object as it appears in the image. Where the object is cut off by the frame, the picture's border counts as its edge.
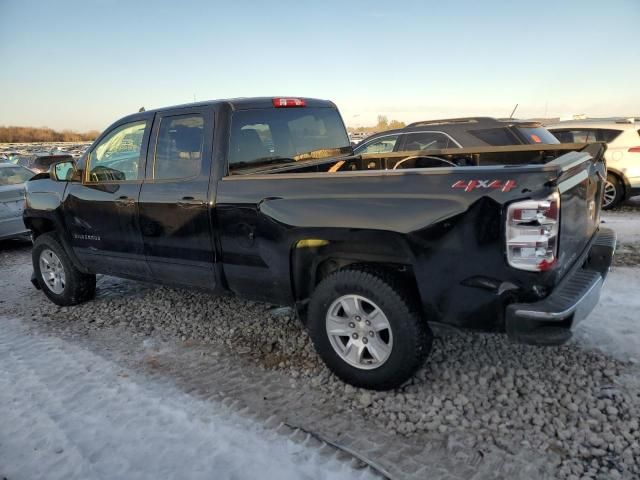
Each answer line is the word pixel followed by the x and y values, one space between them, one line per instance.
pixel 625 224
pixel 67 413
pixel 614 325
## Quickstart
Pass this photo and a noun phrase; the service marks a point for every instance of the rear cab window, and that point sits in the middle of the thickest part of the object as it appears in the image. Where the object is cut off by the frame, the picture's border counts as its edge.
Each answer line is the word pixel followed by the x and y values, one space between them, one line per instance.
pixel 266 138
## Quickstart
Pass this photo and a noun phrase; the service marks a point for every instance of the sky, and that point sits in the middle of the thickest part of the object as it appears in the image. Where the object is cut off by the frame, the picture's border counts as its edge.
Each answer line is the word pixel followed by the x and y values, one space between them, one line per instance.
pixel 81 64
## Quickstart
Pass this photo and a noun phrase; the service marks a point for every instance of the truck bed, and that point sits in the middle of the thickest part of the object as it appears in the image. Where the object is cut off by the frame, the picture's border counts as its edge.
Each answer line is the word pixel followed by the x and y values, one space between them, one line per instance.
pixel 511 155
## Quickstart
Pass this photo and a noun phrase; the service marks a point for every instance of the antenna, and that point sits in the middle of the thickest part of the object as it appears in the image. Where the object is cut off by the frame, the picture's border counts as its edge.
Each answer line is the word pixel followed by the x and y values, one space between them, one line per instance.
pixel 513 111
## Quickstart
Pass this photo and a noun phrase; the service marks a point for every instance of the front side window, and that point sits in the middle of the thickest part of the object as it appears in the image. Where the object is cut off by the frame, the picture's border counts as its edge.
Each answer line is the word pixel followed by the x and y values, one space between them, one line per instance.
pixel 179 147
pixel 384 144
pixel 428 141
pixel 273 137
pixel 117 157
pixel 14 175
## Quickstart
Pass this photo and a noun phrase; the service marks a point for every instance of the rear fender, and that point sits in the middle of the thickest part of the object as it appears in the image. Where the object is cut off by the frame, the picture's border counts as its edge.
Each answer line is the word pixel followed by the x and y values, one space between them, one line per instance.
pixel 315 257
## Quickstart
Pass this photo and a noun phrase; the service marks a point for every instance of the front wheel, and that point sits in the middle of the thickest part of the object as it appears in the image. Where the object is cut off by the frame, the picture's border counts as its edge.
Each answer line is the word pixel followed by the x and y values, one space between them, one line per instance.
pixel 367 328
pixel 59 279
pixel 613 192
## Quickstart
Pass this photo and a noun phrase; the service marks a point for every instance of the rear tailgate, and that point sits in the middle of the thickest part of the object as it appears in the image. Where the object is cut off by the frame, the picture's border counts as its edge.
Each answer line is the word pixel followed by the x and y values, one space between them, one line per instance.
pixel 580 185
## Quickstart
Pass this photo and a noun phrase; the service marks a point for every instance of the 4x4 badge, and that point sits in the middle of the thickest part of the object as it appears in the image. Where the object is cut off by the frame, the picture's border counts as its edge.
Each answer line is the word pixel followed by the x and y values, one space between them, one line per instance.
pixel 492 184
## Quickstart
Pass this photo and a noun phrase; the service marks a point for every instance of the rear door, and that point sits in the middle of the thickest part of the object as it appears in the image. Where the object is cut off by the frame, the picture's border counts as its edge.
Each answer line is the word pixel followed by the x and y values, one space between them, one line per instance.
pixel 174 208
pixel 101 211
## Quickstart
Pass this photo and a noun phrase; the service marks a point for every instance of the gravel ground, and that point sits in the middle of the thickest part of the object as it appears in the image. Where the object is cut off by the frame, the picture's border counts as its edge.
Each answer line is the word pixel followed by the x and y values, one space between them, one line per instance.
pixel 576 408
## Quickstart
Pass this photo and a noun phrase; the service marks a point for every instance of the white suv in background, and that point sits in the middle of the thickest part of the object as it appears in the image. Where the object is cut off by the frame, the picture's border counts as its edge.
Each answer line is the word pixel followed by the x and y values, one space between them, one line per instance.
pixel 623 152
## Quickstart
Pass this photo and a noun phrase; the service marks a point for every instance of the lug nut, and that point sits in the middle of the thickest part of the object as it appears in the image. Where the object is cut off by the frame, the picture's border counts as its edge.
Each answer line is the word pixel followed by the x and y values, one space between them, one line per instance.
pixel 357 318
pixel 365 340
pixel 371 333
pixel 352 325
pixel 354 336
pixel 367 322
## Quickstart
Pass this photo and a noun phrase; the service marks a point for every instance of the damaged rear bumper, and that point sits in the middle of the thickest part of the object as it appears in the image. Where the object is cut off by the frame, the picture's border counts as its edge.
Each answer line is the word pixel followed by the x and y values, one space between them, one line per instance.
pixel 550 321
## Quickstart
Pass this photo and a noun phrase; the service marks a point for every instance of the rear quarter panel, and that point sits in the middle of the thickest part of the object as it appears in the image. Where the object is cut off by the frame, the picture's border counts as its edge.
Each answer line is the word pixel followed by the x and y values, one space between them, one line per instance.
pixel 452 239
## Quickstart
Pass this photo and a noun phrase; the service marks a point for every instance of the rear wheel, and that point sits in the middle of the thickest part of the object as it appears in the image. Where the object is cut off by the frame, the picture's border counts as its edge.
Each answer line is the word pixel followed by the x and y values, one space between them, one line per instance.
pixel 613 192
pixel 59 279
pixel 367 328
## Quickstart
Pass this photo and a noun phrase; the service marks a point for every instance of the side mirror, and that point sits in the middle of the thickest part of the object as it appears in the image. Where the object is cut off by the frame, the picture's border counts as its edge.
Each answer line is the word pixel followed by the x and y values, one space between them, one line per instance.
pixel 62 171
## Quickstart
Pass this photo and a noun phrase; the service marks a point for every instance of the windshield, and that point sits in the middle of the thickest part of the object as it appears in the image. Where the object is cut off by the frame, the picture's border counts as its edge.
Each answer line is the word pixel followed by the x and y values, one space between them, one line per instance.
pixel 14 175
pixel 276 136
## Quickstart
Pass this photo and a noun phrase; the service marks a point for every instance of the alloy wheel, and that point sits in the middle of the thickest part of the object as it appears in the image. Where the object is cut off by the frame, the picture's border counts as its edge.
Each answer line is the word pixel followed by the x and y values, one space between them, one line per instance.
pixel 52 271
pixel 359 332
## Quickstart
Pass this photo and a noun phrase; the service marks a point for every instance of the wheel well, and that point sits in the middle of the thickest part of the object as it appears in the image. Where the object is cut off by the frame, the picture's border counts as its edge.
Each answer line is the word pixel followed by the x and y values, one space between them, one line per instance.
pixel 306 276
pixel 313 260
pixel 38 226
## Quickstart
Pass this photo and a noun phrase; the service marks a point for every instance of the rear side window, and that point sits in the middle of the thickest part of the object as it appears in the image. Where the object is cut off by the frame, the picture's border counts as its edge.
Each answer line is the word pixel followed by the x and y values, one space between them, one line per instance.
pixel 537 135
pixel 384 144
pixel 273 137
pixel 428 141
pixel 179 147
pixel 14 175
pixel 497 137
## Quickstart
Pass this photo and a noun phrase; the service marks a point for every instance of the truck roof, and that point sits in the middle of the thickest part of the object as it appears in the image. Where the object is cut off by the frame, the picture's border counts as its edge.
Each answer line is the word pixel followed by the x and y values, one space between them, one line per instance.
pixel 242 103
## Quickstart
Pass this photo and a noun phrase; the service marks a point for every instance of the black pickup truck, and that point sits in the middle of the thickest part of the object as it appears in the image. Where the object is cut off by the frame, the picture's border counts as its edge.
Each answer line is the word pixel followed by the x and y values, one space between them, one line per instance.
pixel 264 198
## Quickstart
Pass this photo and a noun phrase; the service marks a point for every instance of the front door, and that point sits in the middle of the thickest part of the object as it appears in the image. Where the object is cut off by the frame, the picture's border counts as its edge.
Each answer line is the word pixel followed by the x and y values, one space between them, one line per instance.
pixel 101 211
pixel 174 208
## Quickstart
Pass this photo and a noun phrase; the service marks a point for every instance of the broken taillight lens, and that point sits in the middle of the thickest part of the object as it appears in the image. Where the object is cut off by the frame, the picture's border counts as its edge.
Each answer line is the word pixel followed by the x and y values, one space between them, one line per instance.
pixel 532 233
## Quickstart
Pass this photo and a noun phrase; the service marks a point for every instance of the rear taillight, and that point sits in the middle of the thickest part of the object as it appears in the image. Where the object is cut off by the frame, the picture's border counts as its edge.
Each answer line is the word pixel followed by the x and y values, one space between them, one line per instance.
pixel 635 149
pixel 288 102
pixel 532 233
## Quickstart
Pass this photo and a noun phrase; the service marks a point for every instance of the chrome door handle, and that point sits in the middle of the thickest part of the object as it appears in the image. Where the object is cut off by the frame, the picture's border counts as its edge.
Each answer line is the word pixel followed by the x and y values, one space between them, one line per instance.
pixel 125 201
pixel 187 202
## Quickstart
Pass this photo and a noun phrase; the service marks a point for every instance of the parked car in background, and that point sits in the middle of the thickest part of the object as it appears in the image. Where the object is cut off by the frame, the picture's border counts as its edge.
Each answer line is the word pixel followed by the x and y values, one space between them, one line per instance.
pixel 622 136
pixel 12 180
pixel 456 133
pixel 40 162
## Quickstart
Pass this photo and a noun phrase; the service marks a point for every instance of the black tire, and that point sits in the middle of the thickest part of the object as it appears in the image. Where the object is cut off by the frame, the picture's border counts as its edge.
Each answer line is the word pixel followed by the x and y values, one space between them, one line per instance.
pixel 78 287
pixel 614 192
pixel 412 338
